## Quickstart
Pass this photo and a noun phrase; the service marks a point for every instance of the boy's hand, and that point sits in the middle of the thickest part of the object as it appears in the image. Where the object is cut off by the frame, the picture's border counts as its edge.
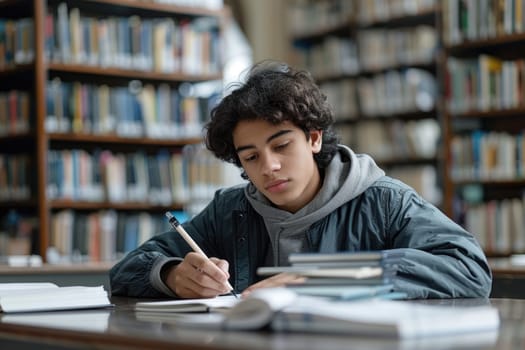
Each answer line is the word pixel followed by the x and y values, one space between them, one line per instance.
pixel 278 280
pixel 198 277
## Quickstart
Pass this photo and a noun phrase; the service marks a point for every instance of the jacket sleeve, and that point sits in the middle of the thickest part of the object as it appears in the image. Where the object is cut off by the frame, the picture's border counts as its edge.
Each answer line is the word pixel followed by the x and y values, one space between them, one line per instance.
pixel 441 259
pixel 138 273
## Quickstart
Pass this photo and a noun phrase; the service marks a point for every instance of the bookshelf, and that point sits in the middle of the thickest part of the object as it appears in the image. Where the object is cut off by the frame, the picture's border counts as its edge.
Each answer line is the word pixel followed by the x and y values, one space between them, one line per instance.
pixel 99 103
pixel 483 91
pixel 376 61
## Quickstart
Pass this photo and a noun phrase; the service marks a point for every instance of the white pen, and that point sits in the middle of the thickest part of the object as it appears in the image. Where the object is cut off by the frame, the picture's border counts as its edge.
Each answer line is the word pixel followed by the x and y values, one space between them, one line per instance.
pixel 178 227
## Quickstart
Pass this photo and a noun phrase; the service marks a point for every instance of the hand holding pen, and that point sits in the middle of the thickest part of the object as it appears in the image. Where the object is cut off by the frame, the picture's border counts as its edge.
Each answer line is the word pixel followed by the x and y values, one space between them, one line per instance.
pixel 199 285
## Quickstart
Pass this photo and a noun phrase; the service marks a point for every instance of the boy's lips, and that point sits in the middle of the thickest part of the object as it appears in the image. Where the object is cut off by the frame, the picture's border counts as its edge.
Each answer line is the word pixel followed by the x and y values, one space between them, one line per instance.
pixel 276 185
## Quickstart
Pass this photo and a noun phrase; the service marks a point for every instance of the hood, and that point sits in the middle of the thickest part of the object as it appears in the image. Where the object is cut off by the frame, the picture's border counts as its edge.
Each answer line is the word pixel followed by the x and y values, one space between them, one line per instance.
pixel 347 176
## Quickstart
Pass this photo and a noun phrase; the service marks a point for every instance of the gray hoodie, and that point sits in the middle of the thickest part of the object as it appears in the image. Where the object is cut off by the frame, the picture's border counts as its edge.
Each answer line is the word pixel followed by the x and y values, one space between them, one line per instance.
pixel 347 176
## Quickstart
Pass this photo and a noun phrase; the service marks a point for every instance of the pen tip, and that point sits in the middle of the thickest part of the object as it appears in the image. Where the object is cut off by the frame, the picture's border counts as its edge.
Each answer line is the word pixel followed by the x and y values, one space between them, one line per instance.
pixel 168 215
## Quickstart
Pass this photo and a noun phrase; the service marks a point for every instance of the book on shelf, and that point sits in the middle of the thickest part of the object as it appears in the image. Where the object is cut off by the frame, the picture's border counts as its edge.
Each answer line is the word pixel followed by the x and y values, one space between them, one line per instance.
pixel 283 310
pixel 44 296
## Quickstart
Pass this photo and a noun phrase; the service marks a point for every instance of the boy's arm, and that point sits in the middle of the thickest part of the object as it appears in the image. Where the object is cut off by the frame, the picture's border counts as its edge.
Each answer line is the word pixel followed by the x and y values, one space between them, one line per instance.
pixel 441 259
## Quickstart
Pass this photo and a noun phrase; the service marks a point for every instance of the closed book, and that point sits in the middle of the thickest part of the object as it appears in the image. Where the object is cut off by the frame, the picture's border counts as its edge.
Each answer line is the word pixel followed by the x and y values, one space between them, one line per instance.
pixel 31 297
pixel 345 257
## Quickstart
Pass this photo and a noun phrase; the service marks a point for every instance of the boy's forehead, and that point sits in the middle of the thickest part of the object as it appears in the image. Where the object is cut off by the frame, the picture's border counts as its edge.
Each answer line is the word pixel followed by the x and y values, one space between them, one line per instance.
pixel 248 131
pixel 260 127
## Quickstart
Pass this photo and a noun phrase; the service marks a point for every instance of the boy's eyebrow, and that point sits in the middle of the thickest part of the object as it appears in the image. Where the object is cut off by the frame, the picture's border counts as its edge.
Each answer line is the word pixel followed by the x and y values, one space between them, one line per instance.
pixel 274 136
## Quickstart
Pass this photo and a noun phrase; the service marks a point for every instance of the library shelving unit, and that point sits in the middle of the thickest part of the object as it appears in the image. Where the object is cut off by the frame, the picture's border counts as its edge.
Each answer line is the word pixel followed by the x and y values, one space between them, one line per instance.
pixel 484 121
pixel 97 105
pixel 376 61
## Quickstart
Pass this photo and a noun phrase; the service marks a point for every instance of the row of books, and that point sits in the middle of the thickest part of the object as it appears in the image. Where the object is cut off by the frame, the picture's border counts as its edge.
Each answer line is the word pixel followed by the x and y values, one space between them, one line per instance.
pixel 373 49
pixel 387 94
pixel 162 44
pixel 316 16
pixel 105 235
pixel 422 178
pixel 377 11
pixel 398 139
pixel 395 92
pixel 15 112
pixel 165 45
pixel 330 57
pixel 138 110
pixel 499 225
pixel 341 94
pixel 484 83
pixel 382 95
pixel 162 178
pixel 383 48
pixel 488 155
pixel 17 230
pixel 15 177
pixel 17 44
pixel 481 19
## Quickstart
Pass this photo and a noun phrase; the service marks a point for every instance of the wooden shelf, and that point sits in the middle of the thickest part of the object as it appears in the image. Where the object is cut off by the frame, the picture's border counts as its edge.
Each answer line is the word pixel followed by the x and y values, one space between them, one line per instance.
pixel 33 78
pixel 519 183
pixel 415 115
pixel 427 16
pixel 159 8
pixel 57 204
pixel 78 69
pixel 491 114
pixel 344 27
pixel 384 126
pixel 468 46
pixel 113 139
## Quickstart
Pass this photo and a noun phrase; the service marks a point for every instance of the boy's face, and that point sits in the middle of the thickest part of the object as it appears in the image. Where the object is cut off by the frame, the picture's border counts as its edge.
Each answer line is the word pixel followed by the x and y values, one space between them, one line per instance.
pixel 279 161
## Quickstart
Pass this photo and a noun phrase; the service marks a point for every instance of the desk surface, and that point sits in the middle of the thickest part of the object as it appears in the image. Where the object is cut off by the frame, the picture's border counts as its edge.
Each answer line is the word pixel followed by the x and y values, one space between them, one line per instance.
pixel 118 328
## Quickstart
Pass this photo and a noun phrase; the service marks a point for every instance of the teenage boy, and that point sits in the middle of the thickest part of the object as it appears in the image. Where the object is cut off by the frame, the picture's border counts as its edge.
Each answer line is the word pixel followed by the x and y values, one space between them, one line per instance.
pixel 306 193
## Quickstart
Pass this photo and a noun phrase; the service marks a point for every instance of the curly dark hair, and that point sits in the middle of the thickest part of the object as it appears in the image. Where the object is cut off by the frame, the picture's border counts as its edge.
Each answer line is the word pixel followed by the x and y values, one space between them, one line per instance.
pixel 274 92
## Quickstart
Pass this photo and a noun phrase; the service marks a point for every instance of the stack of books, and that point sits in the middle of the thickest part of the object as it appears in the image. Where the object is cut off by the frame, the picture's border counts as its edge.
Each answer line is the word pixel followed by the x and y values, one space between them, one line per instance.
pixel 344 275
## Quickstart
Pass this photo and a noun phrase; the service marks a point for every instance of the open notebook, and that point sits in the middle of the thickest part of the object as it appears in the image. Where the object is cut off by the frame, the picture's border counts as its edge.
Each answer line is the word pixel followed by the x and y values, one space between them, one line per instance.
pixel 284 310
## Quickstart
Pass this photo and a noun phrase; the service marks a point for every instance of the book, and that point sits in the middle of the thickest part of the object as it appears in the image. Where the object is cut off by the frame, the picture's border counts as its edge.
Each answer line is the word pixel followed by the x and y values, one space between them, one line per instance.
pixel 348 292
pixel 364 268
pixel 89 320
pixel 357 273
pixel 359 258
pixel 187 305
pixel 283 310
pixel 31 297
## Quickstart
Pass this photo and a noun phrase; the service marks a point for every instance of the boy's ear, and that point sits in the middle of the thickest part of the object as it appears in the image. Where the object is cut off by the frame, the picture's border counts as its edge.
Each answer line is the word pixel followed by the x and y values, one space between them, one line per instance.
pixel 316 140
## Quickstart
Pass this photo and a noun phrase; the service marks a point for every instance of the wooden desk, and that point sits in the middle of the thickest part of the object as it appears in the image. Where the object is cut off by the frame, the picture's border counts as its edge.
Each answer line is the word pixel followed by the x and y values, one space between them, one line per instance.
pixel 118 328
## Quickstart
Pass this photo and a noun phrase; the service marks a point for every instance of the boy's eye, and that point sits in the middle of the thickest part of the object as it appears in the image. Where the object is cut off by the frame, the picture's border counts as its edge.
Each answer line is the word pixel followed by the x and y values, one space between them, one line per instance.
pixel 250 158
pixel 281 146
